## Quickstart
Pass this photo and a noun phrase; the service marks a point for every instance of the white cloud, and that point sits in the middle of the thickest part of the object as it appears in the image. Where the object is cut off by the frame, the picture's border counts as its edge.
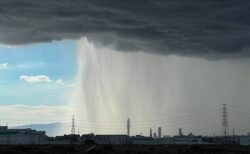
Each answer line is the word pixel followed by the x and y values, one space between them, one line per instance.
pixel 30 65
pixel 3 66
pixel 60 81
pixel 44 78
pixel 35 79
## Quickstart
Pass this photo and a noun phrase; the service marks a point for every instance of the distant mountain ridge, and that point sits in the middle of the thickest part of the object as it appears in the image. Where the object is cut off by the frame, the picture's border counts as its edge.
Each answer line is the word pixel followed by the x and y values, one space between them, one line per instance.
pixel 52 129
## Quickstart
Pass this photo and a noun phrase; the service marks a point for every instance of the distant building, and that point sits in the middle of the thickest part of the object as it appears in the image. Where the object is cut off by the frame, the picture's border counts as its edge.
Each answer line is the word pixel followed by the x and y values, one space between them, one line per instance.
pixel 21 136
pixel 155 135
pixel 65 139
pixel 142 140
pixel 107 139
pixel 159 132
pixel 187 140
pixel 180 132
pixel 150 133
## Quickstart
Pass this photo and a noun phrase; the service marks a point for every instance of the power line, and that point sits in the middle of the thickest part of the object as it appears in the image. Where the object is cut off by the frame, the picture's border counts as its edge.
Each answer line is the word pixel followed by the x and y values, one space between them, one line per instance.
pixel 178 117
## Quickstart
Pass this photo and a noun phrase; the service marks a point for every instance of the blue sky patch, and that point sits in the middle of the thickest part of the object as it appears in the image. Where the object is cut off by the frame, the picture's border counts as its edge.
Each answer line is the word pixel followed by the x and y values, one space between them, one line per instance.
pixel 55 60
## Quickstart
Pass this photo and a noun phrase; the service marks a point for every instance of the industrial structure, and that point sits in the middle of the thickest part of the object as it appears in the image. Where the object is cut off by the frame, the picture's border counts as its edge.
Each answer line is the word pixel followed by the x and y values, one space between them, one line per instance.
pixel 159 132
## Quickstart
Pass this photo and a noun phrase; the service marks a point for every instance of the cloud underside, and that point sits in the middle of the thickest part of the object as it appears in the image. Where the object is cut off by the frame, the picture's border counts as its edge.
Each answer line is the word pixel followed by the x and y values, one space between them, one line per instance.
pixel 196 28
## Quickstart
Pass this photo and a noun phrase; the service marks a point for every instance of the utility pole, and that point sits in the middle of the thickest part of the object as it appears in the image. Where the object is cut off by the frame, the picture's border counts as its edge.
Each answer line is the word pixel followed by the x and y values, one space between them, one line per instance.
pixel 234 136
pixel 128 127
pixel 73 126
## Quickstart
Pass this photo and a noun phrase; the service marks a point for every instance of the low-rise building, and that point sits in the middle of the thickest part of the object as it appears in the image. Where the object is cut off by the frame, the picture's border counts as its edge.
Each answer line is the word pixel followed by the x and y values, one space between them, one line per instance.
pixel 21 136
pixel 107 139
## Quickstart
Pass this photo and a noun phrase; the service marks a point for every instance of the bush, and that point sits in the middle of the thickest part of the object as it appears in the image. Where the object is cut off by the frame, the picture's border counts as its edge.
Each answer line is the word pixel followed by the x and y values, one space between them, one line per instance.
pixel 89 142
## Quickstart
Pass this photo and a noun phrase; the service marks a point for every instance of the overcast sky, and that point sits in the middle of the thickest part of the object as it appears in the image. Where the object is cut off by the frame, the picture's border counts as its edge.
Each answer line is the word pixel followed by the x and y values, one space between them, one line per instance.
pixel 144 59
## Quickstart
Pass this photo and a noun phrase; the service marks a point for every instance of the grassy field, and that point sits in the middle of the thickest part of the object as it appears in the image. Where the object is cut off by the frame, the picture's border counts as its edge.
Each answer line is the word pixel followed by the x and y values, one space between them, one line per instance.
pixel 123 149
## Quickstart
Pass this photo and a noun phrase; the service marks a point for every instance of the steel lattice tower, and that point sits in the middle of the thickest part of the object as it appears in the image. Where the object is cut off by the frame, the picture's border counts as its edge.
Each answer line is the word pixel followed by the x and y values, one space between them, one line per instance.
pixel 128 127
pixel 73 126
pixel 225 129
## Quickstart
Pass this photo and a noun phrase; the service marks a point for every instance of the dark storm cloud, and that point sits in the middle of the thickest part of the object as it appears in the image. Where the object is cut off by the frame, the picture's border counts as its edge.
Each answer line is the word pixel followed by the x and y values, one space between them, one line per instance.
pixel 183 27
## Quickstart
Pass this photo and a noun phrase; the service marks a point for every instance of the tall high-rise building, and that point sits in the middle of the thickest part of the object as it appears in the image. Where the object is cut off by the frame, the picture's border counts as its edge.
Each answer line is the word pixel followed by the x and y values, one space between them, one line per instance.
pixel 150 133
pixel 159 132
